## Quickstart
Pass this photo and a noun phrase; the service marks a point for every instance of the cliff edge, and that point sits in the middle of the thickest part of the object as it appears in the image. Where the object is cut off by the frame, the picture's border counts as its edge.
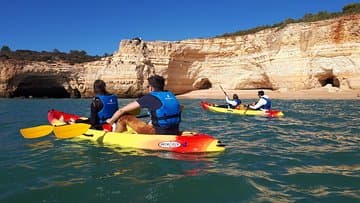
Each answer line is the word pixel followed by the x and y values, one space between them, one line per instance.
pixel 299 56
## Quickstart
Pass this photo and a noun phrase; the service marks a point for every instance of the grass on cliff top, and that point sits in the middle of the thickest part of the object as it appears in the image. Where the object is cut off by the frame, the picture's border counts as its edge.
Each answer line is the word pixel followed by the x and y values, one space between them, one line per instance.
pixel 322 15
pixel 73 57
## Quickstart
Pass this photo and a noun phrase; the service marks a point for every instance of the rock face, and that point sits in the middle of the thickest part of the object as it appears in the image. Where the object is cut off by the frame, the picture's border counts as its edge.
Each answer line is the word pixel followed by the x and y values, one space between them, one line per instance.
pixel 40 79
pixel 296 57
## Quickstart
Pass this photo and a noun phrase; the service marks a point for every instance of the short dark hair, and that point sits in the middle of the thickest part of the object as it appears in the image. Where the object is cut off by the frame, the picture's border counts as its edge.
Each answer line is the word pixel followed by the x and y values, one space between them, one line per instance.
pixel 157 82
pixel 235 96
pixel 261 93
pixel 100 87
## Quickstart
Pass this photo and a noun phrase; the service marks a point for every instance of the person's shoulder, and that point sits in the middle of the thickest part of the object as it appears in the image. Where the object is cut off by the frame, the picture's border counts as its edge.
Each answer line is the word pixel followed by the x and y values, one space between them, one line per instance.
pixel 146 97
pixel 169 92
pixel 96 98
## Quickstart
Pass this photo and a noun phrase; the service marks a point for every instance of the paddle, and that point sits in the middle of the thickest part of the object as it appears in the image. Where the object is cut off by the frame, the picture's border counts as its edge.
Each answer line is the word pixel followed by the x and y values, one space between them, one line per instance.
pixel 223 90
pixel 247 108
pixel 63 131
pixel 36 132
pixel 70 131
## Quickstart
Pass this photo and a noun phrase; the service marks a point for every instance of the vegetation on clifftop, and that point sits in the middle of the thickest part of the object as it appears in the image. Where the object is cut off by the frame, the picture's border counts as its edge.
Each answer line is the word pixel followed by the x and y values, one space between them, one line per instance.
pixel 322 15
pixel 74 56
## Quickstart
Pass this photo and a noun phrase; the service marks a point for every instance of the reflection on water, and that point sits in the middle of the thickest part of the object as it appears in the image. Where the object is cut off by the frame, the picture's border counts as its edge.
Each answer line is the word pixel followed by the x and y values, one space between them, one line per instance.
pixel 40 145
pixel 268 195
pixel 51 183
pixel 352 171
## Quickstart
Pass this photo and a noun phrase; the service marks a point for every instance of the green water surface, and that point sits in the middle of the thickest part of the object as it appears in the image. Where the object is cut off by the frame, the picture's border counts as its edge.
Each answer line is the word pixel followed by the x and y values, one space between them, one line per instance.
pixel 310 155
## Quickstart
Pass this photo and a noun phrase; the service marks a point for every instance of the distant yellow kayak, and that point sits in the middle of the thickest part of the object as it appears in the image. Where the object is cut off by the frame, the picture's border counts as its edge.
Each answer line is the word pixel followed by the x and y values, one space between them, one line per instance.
pixel 244 111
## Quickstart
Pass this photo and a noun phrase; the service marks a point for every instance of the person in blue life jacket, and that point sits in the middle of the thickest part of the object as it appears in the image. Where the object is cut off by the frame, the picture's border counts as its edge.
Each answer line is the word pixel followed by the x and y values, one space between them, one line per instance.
pixel 163 106
pixel 264 102
pixel 102 107
pixel 233 103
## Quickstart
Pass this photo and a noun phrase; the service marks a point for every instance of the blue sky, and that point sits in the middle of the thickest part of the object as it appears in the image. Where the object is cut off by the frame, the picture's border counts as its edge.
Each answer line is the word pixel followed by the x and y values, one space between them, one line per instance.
pixel 97 27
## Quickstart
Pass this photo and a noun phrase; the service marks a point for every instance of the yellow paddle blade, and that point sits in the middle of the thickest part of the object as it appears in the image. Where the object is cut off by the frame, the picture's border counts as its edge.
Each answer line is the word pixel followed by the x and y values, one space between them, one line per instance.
pixel 70 131
pixel 36 132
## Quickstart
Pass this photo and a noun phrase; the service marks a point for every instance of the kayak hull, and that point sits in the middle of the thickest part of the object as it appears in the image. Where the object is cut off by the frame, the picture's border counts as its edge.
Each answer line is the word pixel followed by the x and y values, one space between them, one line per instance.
pixel 243 112
pixel 188 142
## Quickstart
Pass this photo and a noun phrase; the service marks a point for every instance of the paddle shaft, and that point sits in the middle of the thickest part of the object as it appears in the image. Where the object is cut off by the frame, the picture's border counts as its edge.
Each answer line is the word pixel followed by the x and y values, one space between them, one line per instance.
pixel 143 116
pixel 247 108
pixel 223 90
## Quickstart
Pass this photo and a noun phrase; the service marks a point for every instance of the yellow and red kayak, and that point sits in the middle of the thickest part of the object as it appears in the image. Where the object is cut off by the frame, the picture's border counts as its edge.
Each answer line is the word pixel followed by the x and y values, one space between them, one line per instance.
pixel 187 142
pixel 244 111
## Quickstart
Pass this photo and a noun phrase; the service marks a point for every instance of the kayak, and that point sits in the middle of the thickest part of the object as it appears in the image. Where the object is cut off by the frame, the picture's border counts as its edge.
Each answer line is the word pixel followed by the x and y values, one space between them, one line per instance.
pixel 187 142
pixel 244 111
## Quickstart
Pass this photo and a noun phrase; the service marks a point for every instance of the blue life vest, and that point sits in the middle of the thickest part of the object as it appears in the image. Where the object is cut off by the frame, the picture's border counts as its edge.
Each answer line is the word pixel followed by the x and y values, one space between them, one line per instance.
pixel 169 114
pixel 267 106
pixel 238 102
pixel 110 105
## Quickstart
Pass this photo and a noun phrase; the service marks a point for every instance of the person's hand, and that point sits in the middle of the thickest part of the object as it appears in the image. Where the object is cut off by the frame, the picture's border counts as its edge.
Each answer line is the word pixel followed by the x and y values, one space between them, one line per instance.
pixel 109 121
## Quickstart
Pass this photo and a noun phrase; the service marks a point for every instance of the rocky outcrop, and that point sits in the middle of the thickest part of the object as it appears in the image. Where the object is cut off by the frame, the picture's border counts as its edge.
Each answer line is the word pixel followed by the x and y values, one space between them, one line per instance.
pixel 297 57
pixel 39 79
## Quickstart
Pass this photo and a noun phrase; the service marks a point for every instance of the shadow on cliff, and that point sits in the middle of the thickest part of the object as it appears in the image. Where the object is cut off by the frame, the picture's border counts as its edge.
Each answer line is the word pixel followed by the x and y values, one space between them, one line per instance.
pixel 180 76
pixel 41 85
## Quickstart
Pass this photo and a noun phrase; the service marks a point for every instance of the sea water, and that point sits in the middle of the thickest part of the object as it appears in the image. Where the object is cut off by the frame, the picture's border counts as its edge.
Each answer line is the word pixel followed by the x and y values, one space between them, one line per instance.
pixel 309 155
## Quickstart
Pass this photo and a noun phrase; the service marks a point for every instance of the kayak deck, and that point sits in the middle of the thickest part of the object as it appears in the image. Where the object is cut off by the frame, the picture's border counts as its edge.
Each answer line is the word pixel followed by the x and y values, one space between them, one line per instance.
pixel 187 142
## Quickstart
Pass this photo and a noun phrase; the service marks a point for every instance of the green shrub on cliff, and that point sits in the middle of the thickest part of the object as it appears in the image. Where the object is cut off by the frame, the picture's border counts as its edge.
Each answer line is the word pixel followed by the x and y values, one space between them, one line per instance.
pixel 352 8
pixel 322 15
pixel 73 57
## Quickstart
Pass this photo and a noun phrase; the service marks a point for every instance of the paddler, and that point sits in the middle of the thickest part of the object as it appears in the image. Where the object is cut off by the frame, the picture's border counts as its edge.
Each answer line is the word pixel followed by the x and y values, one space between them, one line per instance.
pixel 163 106
pixel 264 102
pixel 102 107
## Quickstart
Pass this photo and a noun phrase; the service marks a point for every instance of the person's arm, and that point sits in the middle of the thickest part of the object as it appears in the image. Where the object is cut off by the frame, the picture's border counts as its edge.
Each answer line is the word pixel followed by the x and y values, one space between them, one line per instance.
pixel 231 102
pixel 132 106
pixel 96 106
pixel 260 103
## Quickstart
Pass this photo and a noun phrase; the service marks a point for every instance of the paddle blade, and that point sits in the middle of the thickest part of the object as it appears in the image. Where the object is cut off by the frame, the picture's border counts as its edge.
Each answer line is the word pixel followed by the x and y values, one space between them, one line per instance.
pixel 70 131
pixel 36 132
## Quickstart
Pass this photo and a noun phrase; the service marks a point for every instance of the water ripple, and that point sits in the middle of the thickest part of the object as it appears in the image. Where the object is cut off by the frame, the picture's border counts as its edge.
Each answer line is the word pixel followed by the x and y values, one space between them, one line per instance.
pixel 309 155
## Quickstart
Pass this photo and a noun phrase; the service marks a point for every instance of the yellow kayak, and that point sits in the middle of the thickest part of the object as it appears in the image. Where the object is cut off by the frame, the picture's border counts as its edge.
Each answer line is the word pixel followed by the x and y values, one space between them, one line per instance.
pixel 187 142
pixel 244 111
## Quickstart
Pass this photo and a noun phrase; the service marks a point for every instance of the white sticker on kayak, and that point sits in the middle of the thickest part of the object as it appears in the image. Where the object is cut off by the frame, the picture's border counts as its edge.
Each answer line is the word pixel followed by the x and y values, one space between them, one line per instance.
pixel 169 144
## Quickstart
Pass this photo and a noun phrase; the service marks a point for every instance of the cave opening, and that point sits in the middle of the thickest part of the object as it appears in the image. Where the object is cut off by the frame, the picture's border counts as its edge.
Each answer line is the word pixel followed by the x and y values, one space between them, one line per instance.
pixel 332 80
pixel 40 87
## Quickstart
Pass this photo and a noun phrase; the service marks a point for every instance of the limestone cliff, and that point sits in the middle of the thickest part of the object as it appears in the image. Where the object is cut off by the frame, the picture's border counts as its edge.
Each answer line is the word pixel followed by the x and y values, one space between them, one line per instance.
pixel 296 57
